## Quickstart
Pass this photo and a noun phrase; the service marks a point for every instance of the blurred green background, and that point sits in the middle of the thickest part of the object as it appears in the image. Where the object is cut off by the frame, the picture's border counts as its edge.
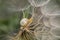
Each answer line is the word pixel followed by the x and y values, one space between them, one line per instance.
pixel 9 20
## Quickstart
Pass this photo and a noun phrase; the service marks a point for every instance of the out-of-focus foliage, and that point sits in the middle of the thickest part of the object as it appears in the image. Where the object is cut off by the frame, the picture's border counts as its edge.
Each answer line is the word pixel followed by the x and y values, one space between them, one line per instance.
pixel 9 20
pixel 8 25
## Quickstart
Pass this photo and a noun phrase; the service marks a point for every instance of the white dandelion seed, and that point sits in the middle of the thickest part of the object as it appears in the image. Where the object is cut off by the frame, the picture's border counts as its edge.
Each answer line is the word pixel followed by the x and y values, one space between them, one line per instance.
pixel 17 5
pixel 51 9
pixel 38 3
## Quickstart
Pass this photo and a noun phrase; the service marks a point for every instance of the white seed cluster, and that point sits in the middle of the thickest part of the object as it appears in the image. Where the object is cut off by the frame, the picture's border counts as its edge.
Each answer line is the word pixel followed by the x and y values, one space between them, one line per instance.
pixel 23 21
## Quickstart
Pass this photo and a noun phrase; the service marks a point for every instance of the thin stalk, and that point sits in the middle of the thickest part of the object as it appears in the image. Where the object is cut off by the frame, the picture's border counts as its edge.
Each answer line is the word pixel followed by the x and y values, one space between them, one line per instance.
pixel 23 15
